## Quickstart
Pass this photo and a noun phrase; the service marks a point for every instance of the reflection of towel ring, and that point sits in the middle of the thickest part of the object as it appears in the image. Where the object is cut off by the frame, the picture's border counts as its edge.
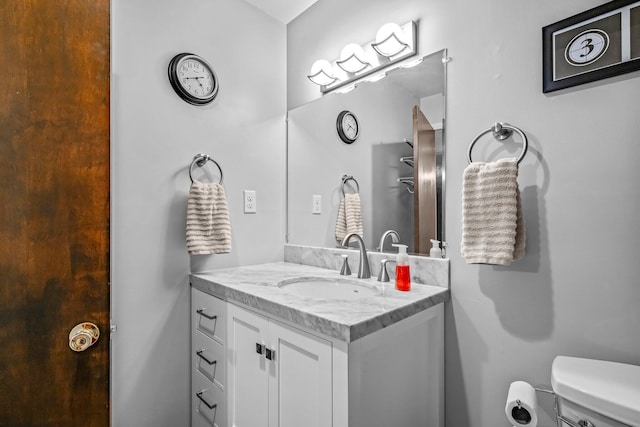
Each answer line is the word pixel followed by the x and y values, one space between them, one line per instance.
pixel 201 160
pixel 346 178
pixel 501 131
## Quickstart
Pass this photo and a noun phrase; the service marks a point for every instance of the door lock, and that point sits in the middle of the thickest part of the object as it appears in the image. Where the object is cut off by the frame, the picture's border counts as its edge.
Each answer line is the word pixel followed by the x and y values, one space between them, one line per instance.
pixel 83 336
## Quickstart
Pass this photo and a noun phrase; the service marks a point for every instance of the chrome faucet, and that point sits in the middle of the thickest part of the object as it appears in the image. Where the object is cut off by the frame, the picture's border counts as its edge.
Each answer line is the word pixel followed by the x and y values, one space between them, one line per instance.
pixel 395 238
pixel 363 267
pixel 383 276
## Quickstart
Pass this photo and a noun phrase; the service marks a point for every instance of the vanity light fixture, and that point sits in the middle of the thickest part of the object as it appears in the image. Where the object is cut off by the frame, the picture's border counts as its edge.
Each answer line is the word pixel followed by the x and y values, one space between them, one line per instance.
pixel 377 77
pixel 352 59
pixel 411 64
pixel 389 40
pixel 322 73
pixel 394 43
pixel 346 89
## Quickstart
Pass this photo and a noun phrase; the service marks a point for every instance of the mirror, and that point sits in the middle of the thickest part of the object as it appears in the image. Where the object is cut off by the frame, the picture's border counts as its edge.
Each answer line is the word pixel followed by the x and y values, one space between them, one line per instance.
pixel 403 195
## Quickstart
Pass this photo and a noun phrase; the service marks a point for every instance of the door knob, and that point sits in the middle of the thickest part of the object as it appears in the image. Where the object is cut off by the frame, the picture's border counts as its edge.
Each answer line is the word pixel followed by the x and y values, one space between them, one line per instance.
pixel 83 336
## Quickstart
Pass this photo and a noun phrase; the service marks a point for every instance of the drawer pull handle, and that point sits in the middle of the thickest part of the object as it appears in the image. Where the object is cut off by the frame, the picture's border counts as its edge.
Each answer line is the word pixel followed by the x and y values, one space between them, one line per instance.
pixel 210 406
pixel 259 348
pixel 270 354
pixel 202 313
pixel 203 357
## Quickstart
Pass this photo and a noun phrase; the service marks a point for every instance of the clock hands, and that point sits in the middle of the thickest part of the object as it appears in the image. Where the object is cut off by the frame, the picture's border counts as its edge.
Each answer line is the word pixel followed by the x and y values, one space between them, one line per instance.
pixel 197 78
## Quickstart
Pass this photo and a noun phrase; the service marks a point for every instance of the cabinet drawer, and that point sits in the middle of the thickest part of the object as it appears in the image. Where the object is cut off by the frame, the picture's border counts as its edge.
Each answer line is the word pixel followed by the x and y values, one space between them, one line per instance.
pixel 208 314
pixel 208 358
pixel 208 404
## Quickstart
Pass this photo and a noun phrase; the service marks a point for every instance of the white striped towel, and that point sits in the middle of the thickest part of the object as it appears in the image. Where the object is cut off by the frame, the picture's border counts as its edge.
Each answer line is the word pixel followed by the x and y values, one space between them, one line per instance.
pixel 208 225
pixel 492 223
pixel 349 216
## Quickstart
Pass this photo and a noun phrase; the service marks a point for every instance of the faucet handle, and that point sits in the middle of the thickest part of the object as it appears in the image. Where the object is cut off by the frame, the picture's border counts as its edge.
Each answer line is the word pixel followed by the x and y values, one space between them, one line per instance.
pixel 383 276
pixel 345 271
pixel 444 249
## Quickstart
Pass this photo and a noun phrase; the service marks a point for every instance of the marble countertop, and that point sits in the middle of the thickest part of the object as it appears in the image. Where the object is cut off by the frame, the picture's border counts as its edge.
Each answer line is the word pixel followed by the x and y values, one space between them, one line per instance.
pixel 257 287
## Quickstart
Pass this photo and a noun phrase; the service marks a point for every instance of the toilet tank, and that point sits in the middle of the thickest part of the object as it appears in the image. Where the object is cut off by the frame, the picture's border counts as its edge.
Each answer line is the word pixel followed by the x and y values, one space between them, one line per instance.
pixel 607 394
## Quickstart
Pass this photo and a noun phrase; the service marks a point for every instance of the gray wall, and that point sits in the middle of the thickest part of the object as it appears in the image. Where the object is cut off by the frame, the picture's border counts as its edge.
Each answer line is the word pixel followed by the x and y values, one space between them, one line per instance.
pixel 577 291
pixel 154 137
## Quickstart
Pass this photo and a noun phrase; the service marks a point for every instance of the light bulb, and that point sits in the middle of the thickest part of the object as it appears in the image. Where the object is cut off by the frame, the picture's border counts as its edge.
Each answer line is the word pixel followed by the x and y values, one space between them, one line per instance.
pixel 389 40
pixel 352 58
pixel 322 73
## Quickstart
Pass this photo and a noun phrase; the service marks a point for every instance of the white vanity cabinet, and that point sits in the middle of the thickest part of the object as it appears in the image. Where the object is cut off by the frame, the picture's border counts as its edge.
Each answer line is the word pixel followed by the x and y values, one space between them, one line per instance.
pixel 278 376
pixel 208 360
pixel 375 362
pixel 282 376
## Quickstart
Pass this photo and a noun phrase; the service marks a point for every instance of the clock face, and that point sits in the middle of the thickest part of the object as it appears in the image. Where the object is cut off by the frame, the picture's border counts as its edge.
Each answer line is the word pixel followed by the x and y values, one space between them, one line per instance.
pixel 347 127
pixel 350 126
pixel 193 79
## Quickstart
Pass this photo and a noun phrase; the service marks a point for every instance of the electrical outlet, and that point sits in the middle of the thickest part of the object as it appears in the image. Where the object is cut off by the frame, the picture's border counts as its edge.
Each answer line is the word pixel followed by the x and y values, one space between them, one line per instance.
pixel 250 201
pixel 317 204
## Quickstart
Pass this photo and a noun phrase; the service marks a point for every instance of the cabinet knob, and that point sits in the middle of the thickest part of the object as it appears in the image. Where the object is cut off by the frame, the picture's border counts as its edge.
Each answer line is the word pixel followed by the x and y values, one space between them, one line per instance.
pixel 270 354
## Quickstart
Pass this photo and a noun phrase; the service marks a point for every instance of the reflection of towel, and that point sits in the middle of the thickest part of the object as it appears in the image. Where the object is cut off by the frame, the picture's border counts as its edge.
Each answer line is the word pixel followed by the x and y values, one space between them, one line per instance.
pixel 349 216
pixel 492 224
pixel 208 225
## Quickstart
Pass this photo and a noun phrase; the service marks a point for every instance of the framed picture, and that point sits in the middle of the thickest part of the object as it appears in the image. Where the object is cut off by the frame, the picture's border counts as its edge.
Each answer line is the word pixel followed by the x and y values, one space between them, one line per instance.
pixel 599 43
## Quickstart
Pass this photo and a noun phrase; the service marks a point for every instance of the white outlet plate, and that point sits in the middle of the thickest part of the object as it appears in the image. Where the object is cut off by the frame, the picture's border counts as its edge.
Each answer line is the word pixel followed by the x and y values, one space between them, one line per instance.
pixel 250 202
pixel 316 208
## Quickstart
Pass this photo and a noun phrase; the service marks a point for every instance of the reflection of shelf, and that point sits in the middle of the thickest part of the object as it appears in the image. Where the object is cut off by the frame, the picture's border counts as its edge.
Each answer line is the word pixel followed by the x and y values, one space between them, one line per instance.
pixel 407 160
pixel 408 181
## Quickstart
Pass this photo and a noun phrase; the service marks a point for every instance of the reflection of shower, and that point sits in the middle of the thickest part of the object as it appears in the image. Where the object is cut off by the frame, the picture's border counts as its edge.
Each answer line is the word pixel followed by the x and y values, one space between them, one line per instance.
pixel 407 180
pixel 425 184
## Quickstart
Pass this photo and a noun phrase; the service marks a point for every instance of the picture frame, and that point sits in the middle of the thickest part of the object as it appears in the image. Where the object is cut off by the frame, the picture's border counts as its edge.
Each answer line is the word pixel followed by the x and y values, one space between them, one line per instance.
pixel 596 44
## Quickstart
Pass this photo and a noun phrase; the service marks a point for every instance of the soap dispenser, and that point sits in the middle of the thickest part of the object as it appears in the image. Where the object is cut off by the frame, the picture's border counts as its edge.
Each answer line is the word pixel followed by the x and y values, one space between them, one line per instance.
pixel 435 251
pixel 403 274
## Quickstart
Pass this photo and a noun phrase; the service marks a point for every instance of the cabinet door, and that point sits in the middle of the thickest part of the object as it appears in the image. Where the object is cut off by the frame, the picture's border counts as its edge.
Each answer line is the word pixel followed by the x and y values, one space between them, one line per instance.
pixel 300 381
pixel 247 376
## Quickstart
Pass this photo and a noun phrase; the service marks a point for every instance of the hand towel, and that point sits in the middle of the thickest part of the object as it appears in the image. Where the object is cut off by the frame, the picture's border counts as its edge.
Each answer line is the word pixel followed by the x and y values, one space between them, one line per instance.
pixel 492 222
pixel 349 216
pixel 208 225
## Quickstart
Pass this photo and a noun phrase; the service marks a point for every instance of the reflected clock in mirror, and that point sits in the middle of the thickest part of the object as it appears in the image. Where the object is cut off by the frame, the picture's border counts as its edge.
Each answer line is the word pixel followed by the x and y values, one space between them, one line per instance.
pixel 347 126
pixel 381 161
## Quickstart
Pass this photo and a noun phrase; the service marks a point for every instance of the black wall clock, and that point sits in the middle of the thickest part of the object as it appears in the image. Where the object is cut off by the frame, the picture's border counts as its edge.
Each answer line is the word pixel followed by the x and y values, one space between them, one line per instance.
pixel 193 79
pixel 347 126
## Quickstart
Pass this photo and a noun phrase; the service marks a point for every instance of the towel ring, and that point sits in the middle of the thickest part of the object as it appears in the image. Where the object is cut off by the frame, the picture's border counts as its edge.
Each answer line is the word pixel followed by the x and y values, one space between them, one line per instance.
pixel 346 178
pixel 200 160
pixel 501 131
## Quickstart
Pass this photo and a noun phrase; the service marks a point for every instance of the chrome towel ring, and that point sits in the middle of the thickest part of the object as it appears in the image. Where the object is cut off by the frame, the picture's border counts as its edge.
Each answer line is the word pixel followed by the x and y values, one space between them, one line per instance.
pixel 346 178
pixel 501 131
pixel 200 160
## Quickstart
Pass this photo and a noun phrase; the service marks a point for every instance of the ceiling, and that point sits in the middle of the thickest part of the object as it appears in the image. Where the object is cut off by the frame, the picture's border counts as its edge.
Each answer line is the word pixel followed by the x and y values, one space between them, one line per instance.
pixel 283 10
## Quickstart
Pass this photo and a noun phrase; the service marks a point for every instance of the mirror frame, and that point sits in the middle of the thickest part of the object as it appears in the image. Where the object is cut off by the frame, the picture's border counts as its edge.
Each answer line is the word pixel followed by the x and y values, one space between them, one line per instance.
pixel 442 56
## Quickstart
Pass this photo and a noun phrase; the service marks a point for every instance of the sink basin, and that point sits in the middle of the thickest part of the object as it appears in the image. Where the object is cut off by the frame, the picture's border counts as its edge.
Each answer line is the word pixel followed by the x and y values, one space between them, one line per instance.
pixel 327 288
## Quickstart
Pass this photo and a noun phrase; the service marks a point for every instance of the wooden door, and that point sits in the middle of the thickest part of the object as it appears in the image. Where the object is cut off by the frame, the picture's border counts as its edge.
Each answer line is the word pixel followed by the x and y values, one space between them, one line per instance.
pixel 425 201
pixel 301 383
pixel 54 211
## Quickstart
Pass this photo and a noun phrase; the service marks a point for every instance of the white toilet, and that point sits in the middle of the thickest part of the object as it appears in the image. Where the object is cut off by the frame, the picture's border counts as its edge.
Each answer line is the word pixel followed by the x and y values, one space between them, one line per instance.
pixel 595 393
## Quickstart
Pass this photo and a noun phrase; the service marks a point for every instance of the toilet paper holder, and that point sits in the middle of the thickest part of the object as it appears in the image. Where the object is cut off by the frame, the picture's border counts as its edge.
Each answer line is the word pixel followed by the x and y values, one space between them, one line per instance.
pixel 556 408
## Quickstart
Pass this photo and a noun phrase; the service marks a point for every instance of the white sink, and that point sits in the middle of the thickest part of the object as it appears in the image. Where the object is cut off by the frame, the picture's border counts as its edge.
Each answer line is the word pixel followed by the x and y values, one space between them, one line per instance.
pixel 327 288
